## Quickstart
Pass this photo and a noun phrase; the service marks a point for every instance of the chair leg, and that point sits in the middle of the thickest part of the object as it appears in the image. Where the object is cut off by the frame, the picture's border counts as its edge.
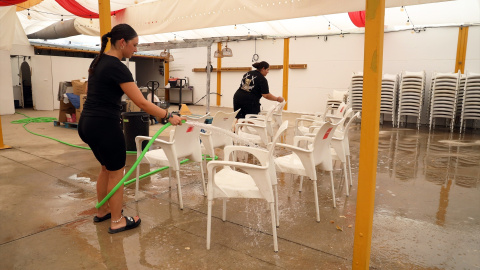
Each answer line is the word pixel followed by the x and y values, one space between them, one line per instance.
pixel 291 186
pixel 136 182
pixel 203 180
pixel 346 178
pixel 275 190
pixel 179 188
pixel 350 170
pixel 333 189
pixel 301 184
pixel 315 192
pixel 169 178
pixel 274 228
pixel 224 211
pixel 209 223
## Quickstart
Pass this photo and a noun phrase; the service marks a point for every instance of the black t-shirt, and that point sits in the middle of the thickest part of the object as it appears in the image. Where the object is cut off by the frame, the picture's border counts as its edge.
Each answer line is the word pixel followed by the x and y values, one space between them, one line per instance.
pixel 104 98
pixel 252 87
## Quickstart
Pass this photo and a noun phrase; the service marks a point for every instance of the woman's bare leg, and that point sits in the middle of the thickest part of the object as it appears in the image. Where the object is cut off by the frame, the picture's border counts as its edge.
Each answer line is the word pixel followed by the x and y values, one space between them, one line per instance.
pixel 116 201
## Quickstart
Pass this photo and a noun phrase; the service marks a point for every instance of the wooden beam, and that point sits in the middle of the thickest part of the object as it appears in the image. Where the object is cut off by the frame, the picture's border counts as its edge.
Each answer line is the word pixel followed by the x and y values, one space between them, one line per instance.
pixel 286 59
pixel 223 69
pixel 90 51
pixel 367 172
pixel 461 49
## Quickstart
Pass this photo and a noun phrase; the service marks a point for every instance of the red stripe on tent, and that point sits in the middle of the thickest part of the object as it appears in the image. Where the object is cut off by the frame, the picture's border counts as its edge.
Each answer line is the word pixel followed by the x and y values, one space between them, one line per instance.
pixel 75 8
pixel 357 18
pixel 4 3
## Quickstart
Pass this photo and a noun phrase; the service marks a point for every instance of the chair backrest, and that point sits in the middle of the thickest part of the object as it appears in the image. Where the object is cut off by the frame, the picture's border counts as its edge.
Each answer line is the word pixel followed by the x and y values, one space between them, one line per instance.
pixel 321 144
pixel 187 142
pixel 224 121
pixel 277 114
pixel 340 111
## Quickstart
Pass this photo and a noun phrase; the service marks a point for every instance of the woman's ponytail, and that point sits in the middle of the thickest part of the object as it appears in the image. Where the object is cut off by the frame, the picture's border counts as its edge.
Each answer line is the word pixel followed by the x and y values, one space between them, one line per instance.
pixel 102 50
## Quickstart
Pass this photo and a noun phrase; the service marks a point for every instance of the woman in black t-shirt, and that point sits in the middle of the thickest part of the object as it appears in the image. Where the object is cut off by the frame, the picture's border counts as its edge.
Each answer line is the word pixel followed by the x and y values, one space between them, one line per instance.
pixel 99 125
pixel 253 87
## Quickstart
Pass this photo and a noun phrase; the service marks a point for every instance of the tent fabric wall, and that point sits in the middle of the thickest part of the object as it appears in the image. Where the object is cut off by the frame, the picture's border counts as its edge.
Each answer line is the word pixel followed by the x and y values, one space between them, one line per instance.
pixel 330 64
pixel 11 32
pixel 177 15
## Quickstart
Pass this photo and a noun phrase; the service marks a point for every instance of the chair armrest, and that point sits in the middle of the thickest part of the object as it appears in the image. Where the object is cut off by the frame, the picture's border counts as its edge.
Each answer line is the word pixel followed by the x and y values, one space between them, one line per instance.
pixel 294 149
pixel 259 153
pixel 255 121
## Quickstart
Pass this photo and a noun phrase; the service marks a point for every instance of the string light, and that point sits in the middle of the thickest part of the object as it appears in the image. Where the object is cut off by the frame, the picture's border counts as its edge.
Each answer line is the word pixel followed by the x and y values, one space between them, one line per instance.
pixel 61 21
pixel 235 27
pixel 175 37
pixel 329 28
pixel 29 17
pixel 402 9
pixel 408 22
pixel 114 14
pixel 91 21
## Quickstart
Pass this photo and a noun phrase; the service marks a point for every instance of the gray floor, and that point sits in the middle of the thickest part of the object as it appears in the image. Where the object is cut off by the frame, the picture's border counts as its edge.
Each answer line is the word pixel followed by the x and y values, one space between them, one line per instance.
pixel 426 215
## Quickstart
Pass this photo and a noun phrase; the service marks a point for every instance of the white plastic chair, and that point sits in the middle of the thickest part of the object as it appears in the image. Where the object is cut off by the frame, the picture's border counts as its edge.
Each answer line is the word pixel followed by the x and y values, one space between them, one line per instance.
pixel 256 130
pixel 303 161
pixel 276 119
pixel 301 129
pixel 341 146
pixel 259 181
pixel 185 143
pixel 212 140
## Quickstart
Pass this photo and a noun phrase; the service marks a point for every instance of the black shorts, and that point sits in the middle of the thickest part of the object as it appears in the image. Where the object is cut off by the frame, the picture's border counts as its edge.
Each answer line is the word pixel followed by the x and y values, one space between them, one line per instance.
pixel 246 106
pixel 105 138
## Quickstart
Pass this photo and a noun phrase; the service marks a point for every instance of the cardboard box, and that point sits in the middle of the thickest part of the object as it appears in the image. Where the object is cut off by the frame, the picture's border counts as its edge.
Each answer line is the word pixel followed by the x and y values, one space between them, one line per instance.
pixel 83 97
pixel 64 109
pixel 79 87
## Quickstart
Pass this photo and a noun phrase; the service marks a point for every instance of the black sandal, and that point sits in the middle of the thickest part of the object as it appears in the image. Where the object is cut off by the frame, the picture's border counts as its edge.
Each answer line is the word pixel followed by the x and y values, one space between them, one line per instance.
pixel 97 219
pixel 131 224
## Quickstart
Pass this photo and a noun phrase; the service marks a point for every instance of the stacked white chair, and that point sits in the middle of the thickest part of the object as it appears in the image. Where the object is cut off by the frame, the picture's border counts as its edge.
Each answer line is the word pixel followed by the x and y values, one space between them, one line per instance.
pixel 275 119
pixel 212 140
pixel 258 181
pixel 443 97
pixel 257 130
pixel 184 143
pixel 410 97
pixel 356 91
pixel 471 102
pixel 305 124
pixel 388 104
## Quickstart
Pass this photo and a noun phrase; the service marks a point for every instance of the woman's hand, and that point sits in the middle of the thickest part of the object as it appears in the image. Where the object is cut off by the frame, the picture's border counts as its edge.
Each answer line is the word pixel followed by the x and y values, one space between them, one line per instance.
pixel 176 120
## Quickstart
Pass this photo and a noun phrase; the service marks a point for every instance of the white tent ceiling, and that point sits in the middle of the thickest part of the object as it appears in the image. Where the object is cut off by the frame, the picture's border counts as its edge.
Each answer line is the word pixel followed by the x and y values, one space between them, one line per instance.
pixel 171 26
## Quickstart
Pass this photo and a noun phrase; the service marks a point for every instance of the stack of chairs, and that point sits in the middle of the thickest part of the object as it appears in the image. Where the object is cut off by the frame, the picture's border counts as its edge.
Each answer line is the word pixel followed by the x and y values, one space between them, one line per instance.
pixel 444 97
pixel 388 104
pixel 461 87
pixel 356 91
pixel 471 99
pixel 410 100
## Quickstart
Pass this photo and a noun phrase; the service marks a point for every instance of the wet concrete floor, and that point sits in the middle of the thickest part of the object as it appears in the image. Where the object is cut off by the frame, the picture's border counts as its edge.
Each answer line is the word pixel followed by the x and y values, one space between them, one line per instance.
pixel 427 209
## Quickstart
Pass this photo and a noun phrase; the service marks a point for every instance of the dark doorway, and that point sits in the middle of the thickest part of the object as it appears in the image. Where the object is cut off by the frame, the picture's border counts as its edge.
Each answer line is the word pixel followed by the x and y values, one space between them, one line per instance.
pixel 26 85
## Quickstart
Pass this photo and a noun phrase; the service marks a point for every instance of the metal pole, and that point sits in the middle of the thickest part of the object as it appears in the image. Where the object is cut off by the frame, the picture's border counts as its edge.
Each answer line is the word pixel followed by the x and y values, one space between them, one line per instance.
pixel 367 172
pixel 209 63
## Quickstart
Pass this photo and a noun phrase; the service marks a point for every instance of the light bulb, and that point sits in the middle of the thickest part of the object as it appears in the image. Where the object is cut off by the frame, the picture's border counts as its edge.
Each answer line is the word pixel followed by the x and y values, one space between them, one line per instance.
pixel 29 17
pixel 114 15
pixel 402 9
pixel 136 1
pixel 413 31
pixel 408 22
pixel 91 21
pixel 329 28
pixel 61 21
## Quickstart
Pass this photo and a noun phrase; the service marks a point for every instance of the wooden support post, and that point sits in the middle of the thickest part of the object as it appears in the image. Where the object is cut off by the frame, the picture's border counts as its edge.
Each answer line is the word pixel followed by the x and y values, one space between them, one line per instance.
pixel 166 72
pixel 372 82
pixel 286 55
pixel 219 74
pixel 2 146
pixel 461 49
pixel 105 20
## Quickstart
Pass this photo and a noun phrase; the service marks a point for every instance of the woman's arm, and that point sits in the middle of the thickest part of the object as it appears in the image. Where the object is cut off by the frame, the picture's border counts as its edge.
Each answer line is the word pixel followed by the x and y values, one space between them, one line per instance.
pixel 132 91
pixel 269 96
